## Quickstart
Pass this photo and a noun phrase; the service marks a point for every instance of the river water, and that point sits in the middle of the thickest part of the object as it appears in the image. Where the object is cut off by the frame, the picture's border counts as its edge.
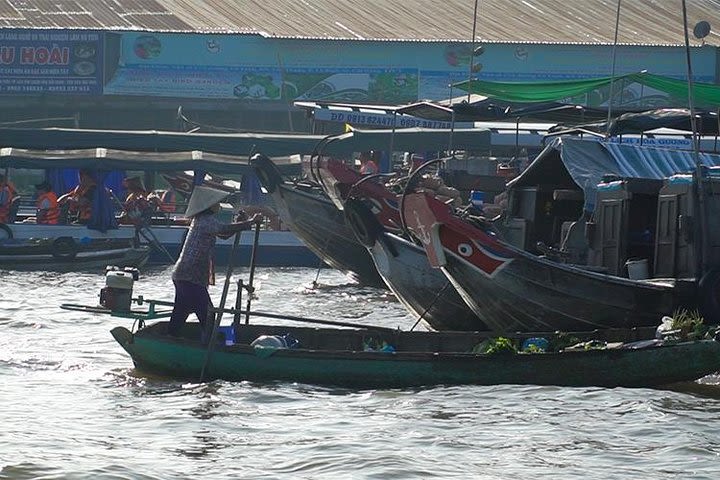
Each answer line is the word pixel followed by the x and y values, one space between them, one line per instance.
pixel 72 406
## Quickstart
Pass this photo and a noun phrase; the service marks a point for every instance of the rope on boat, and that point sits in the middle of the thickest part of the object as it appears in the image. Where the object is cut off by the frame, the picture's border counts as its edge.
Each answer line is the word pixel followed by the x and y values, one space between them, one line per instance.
pixel 320 264
pixel 422 315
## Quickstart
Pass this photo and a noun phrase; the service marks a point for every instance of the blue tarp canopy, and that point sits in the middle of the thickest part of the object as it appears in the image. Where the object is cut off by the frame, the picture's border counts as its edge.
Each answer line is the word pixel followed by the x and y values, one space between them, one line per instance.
pixel 584 162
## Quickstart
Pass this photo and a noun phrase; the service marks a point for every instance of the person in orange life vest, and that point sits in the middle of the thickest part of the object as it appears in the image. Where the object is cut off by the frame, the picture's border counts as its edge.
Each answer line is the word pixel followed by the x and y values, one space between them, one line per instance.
pixel 367 164
pixel 168 201
pixel 79 199
pixel 139 204
pixel 7 193
pixel 48 212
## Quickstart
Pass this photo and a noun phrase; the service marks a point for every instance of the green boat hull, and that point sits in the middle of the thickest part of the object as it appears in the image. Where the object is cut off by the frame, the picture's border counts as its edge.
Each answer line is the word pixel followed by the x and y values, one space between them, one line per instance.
pixel 345 365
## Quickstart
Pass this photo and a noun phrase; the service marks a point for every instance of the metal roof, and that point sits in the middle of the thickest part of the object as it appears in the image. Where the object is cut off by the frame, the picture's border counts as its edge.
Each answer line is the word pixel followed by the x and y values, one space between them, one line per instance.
pixel 652 22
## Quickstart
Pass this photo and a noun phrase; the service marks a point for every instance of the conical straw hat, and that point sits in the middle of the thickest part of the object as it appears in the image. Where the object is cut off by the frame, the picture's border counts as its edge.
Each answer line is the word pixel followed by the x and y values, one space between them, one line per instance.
pixel 203 198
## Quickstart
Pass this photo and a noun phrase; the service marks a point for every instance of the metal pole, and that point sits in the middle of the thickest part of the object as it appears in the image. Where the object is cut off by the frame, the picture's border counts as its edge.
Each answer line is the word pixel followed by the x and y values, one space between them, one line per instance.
pixel 612 71
pixel 691 102
pixel 696 153
pixel 472 50
pixel 217 318
pixel 452 132
pixel 392 140
pixel 238 306
pixel 252 273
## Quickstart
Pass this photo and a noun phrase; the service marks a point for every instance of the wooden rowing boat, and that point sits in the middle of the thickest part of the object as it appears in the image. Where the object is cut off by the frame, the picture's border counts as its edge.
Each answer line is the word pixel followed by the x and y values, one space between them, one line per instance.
pixel 377 358
pixel 65 254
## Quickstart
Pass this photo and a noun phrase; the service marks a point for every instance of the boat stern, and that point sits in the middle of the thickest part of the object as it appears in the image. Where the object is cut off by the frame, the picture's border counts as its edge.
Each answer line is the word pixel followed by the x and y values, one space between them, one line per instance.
pixel 124 337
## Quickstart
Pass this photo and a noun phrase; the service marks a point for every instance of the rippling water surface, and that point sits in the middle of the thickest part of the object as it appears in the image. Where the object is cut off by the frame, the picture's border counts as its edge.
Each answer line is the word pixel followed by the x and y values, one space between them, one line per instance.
pixel 72 406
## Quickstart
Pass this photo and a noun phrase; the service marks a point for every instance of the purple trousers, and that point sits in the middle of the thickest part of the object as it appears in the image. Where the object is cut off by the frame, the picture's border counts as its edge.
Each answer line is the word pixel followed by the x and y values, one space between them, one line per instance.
pixel 189 298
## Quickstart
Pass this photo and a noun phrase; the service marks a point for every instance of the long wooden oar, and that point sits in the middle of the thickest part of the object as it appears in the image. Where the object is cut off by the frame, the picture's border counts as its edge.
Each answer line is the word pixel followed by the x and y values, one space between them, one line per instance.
pixel 152 239
pixel 252 273
pixel 293 318
pixel 144 231
pixel 218 316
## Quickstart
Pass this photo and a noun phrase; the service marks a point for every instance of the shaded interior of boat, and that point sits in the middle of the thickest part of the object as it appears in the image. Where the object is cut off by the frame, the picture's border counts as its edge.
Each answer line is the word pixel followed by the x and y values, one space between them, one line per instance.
pixel 355 340
pixel 654 222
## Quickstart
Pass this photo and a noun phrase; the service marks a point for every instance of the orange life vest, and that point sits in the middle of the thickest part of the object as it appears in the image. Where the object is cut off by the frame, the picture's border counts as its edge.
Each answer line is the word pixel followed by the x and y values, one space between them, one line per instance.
pixel 368 168
pixel 51 214
pixel 138 209
pixel 168 202
pixel 8 192
pixel 82 206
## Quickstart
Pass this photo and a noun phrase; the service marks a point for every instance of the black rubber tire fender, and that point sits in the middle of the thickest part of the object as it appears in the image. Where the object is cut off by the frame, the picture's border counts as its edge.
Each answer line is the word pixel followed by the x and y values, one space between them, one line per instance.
pixel 7 233
pixel 362 222
pixel 266 172
pixel 709 300
pixel 64 248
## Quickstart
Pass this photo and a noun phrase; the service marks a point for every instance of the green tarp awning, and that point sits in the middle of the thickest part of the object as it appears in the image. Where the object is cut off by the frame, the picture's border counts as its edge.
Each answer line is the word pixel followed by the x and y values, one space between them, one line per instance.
pixel 704 94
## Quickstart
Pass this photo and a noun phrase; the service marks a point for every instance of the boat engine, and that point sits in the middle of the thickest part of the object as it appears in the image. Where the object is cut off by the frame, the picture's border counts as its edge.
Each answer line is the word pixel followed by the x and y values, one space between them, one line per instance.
pixel 117 293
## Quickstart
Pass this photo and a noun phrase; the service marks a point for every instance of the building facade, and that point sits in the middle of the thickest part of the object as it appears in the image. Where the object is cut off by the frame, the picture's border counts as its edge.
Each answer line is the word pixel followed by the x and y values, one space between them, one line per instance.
pixel 242 77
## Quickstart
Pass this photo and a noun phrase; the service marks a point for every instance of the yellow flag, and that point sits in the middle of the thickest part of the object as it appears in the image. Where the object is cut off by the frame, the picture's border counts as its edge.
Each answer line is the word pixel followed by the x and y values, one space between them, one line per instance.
pixel 348 128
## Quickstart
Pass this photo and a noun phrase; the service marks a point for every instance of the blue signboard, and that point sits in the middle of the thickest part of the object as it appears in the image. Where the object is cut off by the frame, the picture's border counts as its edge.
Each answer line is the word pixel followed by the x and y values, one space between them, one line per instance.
pixel 251 67
pixel 43 61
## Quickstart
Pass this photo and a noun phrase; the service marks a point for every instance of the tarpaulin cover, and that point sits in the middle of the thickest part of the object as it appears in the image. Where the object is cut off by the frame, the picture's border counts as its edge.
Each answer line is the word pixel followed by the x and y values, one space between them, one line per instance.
pixel 585 162
pixel 706 123
pixel 103 159
pixel 704 94
pixel 242 144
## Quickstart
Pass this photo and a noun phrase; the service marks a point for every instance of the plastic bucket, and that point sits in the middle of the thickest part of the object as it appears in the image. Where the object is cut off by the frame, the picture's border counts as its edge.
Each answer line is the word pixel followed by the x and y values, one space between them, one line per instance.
pixel 229 334
pixel 637 269
pixel 477 198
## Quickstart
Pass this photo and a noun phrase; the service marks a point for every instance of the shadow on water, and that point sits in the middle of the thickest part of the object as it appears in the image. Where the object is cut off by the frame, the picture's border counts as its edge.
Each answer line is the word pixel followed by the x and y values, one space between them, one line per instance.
pixel 700 389
pixel 349 287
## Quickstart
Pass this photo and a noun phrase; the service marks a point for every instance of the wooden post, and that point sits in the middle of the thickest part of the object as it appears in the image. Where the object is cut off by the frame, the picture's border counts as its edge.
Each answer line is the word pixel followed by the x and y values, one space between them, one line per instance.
pixel 252 272
pixel 218 317
pixel 238 307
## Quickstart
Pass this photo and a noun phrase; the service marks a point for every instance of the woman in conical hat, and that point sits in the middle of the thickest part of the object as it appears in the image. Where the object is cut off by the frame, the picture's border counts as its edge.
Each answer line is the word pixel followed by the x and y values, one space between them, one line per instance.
pixel 194 269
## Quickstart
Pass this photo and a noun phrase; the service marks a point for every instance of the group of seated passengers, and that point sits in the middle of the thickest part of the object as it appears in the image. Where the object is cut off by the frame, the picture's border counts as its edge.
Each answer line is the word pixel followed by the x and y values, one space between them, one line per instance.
pixel 137 209
pixel 76 205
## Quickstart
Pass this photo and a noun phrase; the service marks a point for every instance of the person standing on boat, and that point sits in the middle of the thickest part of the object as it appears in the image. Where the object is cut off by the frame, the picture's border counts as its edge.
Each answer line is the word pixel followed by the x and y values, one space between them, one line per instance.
pixel 7 193
pixel 48 212
pixel 194 269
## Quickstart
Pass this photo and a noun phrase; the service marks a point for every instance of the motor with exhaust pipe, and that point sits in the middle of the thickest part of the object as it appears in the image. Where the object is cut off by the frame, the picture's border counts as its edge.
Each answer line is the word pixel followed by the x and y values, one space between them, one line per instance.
pixel 117 293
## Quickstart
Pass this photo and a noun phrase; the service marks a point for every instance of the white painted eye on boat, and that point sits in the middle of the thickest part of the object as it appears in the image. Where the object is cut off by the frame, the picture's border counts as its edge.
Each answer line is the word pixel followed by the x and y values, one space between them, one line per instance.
pixel 465 250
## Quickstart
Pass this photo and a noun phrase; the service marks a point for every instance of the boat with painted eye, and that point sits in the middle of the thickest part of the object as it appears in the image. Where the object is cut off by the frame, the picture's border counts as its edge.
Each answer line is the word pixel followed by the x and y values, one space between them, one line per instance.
pixel 308 210
pixel 371 211
pixel 567 253
pixel 384 358
pixel 65 254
